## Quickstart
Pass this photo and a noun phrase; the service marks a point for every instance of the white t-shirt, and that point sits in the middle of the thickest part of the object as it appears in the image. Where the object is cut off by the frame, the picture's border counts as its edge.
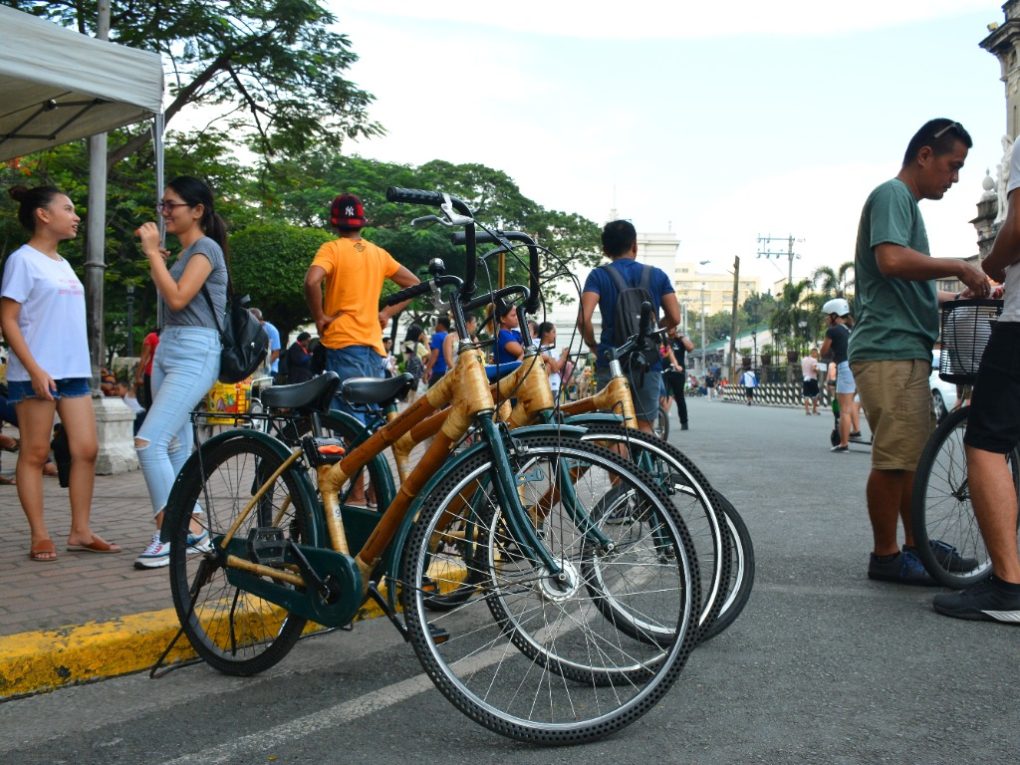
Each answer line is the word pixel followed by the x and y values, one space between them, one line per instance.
pixel 1011 305
pixel 555 380
pixel 809 368
pixel 52 316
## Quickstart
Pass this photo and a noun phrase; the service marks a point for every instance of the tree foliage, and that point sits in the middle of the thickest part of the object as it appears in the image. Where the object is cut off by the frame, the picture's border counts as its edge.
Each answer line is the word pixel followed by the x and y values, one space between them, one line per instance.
pixel 274 69
pixel 268 262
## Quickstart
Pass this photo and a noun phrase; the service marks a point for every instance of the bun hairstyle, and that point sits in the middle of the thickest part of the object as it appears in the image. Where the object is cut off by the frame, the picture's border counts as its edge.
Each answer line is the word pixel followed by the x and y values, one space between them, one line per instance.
pixel 31 200
pixel 195 192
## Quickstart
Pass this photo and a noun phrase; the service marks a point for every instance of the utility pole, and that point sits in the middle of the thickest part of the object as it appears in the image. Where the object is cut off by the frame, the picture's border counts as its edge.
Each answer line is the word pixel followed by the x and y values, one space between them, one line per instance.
pixel 767 252
pixel 733 323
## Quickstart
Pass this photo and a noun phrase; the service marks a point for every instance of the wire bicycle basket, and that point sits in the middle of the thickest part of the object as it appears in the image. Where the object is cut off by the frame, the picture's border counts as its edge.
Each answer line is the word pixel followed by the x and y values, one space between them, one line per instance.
pixel 965 328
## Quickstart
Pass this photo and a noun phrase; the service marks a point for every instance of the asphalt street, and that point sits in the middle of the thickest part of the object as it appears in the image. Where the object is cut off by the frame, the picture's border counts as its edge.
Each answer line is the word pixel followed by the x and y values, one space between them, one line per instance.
pixel 823 666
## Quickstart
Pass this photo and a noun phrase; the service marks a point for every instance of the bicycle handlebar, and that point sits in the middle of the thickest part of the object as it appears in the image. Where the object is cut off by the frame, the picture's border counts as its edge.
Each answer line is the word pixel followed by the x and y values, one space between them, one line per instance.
pixel 423 288
pixel 496 295
pixel 439 199
pixel 503 238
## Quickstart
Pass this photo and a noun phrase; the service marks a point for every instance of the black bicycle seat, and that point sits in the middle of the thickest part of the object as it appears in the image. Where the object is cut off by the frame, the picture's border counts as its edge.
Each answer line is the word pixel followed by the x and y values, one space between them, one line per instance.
pixel 314 394
pixel 372 390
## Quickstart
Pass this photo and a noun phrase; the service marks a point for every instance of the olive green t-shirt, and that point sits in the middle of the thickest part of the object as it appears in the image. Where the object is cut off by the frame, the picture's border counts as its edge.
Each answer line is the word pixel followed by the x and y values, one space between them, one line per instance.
pixel 896 318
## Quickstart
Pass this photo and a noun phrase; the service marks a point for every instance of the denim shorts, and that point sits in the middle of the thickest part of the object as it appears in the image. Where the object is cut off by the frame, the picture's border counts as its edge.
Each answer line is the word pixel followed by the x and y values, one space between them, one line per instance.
pixel 845 378
pixel 70 387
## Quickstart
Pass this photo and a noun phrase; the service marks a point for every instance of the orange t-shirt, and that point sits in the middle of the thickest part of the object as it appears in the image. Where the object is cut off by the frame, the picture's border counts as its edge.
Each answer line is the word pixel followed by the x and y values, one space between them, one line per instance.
pixel 355 272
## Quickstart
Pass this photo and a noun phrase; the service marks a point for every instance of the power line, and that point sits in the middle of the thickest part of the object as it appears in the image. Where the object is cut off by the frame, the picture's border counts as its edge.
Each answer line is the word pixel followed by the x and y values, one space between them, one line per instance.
pixel 767 252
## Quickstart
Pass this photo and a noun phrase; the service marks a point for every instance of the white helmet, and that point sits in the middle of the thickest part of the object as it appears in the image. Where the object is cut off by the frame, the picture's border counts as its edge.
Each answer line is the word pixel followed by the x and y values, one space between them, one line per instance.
pixel 838 306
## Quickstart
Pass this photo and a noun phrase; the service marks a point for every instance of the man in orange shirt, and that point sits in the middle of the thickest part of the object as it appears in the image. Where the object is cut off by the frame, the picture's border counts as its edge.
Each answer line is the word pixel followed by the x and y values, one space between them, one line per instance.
pixel 346 312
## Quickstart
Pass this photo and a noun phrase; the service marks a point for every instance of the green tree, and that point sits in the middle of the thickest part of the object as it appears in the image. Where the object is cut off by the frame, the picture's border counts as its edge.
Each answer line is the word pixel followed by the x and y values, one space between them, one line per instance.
pixel 268 261
pixel 273 69
pixel 834 283
pixel 792 311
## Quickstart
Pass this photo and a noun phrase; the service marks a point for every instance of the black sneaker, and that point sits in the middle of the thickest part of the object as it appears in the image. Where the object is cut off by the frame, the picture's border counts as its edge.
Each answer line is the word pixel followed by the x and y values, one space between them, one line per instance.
pixel 840 449
pixel 984 601
pixel 948 557
pixel 904 568
pixel 856 434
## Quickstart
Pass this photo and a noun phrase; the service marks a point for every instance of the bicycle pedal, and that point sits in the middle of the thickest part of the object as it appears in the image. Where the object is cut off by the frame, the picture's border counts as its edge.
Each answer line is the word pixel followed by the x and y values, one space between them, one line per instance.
pixel 438 634
pixel 266 545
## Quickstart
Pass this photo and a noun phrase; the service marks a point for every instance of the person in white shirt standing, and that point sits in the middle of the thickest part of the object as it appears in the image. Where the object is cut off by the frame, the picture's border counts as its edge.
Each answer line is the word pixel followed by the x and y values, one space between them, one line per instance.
pixel 42 312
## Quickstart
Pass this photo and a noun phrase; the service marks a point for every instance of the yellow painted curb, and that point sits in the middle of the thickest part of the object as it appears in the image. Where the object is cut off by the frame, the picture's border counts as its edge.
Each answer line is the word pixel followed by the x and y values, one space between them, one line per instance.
pixel 31 662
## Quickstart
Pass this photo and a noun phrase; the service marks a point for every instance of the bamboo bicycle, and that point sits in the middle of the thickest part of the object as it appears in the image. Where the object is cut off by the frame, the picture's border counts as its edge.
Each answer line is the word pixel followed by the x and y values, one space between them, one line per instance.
pixel 534 655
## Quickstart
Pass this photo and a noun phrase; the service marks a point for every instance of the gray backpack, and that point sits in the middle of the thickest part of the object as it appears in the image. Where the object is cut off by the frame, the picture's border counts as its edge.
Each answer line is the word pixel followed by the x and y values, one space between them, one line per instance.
pixel 627 315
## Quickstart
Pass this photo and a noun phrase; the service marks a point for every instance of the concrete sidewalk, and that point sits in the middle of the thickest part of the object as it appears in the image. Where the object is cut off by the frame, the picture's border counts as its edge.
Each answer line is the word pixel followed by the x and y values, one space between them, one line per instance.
pixel 86 615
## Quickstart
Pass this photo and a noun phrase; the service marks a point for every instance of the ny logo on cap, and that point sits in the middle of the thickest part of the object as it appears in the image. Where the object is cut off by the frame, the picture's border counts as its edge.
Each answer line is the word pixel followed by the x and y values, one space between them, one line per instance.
pixel 349 211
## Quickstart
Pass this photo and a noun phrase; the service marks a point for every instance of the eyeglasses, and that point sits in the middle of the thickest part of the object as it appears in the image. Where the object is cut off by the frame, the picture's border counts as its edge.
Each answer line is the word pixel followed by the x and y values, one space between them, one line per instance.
pixel 942 131
pixel 169 207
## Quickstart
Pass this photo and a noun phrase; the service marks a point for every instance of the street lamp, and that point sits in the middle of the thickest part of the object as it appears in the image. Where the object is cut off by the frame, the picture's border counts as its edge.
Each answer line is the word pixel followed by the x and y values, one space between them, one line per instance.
pixel 704 368
pixel 754 352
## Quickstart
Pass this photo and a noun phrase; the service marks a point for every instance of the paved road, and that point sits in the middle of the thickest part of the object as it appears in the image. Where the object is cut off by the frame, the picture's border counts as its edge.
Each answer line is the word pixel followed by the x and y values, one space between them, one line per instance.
pixel 823 667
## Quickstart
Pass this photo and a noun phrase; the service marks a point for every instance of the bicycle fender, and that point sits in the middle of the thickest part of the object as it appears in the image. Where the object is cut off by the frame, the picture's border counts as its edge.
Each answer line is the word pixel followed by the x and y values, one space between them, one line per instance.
pixel 318 531
pixel 400 538
pixel 591 418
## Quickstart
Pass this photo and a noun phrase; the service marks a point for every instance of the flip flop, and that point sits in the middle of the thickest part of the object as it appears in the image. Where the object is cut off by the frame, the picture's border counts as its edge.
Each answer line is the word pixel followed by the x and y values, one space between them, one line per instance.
pixel 45 547
pixel 5 481
pixel 15 444
pixel 97 545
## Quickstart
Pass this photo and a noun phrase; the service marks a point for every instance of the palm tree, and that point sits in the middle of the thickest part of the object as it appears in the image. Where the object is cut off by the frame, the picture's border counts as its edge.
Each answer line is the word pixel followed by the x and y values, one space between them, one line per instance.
pixel 834 283
pixel 793 308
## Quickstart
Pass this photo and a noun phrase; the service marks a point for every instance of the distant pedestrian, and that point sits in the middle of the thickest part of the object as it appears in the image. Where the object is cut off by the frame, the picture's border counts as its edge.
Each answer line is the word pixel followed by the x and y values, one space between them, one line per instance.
pixel 809 375
pixel 299 359
pixel 749 381
pixel 272 363
pixel 676 374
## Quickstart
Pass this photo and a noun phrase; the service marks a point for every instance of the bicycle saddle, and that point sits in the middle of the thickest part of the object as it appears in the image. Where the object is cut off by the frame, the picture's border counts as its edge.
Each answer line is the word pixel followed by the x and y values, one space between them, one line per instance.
pixel 314 394
pixel 372 390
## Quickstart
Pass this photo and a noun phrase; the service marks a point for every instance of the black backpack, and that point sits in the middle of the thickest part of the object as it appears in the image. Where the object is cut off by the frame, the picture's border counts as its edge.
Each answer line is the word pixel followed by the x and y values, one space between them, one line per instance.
pixel 245 342
pixel 627 315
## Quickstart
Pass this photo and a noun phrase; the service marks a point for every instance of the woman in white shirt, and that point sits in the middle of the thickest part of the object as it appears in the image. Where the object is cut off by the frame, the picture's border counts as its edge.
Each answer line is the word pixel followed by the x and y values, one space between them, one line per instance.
pixel 42 312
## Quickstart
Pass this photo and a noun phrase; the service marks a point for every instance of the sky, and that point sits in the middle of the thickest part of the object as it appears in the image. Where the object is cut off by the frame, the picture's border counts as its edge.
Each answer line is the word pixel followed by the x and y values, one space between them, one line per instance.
pixel 722 123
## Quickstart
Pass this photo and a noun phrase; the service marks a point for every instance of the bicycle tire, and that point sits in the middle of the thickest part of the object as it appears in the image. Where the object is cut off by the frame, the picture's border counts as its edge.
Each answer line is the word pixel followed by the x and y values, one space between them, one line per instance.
pixel 741 579
pixel 694 499
pixel 941 508
pixel 574 676
pixel 234 631
pixel 661 427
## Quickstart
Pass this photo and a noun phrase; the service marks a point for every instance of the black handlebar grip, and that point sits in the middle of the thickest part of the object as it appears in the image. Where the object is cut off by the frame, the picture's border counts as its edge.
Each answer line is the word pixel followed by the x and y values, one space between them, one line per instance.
pixel 414 196
pixel 407 294
pixel 491 297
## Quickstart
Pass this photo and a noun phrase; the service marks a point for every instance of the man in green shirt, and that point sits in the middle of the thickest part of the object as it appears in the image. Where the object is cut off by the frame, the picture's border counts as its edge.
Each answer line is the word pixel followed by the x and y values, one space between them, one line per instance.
pixel 897 325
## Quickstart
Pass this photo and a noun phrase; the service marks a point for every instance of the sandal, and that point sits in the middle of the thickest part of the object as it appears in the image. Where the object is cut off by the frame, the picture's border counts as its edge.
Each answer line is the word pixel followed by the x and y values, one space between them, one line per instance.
pixel 5 481
pixel 43 552
pixel 97 545
pixel 9 443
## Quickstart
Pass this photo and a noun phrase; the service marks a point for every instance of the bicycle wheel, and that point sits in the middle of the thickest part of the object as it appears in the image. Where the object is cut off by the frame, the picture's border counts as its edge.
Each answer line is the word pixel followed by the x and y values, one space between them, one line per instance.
pixel 941 510
pixel 661 426
pixel 692 496
pixel 532 656
pixel 741 579
pixel 235 631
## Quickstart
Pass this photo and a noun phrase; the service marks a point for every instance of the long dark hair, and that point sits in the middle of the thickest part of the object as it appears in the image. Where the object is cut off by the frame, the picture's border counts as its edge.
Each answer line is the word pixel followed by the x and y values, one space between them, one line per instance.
pixel 31 200
pixel 196 192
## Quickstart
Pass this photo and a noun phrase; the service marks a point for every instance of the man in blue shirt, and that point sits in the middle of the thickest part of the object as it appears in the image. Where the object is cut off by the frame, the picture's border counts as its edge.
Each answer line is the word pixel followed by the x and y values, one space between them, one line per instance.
pixel 619 243
pixel 435 365
pixel 273 358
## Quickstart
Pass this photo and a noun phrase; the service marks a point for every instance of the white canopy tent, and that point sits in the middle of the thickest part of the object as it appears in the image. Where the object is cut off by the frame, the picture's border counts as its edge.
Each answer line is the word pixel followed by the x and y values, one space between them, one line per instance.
pixel 57 85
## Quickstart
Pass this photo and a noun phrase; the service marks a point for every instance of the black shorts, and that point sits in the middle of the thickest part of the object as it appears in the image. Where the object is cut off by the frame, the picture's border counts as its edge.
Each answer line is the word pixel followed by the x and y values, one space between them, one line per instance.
pixel 993 423
pixel 810 388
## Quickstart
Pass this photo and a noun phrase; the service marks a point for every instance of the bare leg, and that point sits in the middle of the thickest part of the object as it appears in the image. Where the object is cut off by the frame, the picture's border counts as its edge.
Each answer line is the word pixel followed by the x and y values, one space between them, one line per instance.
pixel 994 501
pixel 35 422
pixel 846 406
pixel 79 422
pixel 888 493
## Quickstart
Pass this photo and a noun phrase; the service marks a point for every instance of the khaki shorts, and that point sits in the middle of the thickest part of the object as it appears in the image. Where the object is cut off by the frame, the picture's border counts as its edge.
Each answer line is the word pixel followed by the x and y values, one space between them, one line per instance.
pixel 897 402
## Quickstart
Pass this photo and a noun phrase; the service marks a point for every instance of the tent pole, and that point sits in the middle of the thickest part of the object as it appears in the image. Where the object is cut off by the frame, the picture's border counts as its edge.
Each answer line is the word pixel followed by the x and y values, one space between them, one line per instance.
pixel 95 258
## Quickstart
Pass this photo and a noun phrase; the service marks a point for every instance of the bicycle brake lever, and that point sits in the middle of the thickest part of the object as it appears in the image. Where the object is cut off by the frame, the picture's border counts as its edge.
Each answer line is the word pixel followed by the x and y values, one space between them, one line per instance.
pixel 455 218
pixel 428 219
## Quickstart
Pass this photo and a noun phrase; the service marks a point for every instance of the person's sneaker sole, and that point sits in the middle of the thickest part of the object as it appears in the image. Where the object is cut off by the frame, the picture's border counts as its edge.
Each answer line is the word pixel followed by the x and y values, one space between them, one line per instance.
pixel 989 615
pixel 152 563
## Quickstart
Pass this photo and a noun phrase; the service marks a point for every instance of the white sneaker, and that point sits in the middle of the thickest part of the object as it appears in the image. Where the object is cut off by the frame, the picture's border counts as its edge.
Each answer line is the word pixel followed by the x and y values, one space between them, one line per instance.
pixel 156 555
pixel 199 543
